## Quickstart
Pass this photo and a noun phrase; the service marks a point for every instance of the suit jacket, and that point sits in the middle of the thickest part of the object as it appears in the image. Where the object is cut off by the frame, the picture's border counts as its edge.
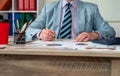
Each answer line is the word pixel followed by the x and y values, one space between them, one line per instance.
pixel 89 19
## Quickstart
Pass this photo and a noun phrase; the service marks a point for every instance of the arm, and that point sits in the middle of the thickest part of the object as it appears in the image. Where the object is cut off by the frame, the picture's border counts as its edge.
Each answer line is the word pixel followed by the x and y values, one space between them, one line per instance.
pixel 101 26
pixel 101 29
pixel 37 26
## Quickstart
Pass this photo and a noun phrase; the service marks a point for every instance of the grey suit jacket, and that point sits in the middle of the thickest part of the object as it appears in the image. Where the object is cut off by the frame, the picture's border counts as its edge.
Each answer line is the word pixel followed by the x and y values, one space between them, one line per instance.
pixel 89 19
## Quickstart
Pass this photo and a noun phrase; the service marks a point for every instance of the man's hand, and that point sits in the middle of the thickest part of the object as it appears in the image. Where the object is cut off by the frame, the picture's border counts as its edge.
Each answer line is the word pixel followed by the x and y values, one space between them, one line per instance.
pixel 85 36
pixel 47 35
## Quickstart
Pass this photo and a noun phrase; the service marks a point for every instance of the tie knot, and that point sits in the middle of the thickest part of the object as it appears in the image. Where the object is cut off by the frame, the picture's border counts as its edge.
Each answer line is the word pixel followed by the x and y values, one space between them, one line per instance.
pixel 68 5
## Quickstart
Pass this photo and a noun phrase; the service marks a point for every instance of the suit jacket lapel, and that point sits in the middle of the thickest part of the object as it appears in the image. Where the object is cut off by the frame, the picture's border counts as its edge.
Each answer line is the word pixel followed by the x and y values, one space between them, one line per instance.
pixel 58 15
pixel 81 17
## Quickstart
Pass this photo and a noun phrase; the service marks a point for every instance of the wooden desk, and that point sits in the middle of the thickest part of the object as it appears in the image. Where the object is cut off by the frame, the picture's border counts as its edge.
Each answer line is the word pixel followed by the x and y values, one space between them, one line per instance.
pixel 19 60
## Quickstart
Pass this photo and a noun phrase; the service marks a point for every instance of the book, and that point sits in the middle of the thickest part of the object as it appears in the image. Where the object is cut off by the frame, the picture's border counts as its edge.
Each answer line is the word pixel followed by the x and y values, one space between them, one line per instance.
pixel 26 5
pixel 20 5
pixel 32 5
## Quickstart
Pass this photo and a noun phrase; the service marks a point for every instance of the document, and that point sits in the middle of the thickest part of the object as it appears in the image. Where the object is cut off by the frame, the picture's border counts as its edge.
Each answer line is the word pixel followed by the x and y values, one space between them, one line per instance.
pixel 71 45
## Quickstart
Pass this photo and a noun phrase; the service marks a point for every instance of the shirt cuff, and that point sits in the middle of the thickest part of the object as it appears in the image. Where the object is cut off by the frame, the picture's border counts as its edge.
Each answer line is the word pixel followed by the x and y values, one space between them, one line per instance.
pixel 36 36
pixel 100 36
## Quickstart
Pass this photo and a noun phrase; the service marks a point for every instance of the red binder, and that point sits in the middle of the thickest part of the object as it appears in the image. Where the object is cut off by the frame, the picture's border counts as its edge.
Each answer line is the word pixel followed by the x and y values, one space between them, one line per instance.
pixel 4 32
pixel 20 5
pixel 32 5
pixel 26 4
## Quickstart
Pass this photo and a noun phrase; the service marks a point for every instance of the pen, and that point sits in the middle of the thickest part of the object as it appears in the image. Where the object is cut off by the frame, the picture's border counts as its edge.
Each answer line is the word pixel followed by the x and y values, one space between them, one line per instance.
pixel 47 28
pixel 22 32
pixel 18 26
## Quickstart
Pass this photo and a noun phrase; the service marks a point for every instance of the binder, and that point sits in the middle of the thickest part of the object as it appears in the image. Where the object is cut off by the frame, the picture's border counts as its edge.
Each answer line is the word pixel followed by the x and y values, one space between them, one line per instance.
pixel 11 24
pixel 20 5
pixel 5 4
pixel 16 17
pixel 32 5
pixel 28 17
pixel 22 20
pixel 26 4
pixel 111 41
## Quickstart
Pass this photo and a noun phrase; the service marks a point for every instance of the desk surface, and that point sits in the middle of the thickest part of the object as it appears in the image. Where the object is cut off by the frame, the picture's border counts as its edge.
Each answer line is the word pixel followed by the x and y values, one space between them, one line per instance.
pixel 33 50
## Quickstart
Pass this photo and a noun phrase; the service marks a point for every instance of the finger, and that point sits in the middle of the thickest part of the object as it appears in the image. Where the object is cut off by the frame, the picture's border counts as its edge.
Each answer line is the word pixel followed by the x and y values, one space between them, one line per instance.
pixel 50 32
pixel 86 39
pixel 48 39
pixel 44 35
pixel 78 38
pixel 46 31
pixel 81 39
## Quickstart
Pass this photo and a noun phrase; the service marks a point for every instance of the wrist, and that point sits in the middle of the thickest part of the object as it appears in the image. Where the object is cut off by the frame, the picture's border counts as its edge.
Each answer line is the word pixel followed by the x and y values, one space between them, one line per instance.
pixel 38 35
pixel 95 35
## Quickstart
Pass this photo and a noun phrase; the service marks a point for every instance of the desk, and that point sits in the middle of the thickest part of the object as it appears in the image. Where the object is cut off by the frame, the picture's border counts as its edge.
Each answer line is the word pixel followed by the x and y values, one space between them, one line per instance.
pixel 19 60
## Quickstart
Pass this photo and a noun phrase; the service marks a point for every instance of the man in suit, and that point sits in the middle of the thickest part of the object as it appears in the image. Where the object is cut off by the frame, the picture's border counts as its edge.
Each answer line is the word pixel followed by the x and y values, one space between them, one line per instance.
pixel 87 23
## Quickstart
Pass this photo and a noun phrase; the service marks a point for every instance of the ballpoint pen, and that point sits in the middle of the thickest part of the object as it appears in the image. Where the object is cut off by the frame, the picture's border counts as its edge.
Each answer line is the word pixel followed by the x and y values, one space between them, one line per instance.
pixel 18 26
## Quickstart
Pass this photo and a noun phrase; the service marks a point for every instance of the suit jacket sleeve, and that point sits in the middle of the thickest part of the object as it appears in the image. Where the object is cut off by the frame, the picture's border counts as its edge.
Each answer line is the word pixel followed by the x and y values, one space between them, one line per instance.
pixel 36 26
pixel 101 26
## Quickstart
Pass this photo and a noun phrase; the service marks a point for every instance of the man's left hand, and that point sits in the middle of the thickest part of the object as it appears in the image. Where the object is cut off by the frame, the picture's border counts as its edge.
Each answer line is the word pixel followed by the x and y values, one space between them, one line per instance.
pixel 86 36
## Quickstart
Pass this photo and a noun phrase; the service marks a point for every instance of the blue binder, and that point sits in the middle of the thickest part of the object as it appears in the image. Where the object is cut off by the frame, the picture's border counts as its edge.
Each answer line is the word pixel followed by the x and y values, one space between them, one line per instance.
pixel 11 24
pixel 111 41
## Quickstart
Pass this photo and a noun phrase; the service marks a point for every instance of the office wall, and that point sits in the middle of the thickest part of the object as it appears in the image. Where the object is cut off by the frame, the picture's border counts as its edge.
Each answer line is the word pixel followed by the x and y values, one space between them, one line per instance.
pixel 110 11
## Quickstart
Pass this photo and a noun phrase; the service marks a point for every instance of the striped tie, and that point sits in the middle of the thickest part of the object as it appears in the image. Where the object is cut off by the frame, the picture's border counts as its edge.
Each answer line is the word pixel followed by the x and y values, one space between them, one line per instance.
pixel 65 31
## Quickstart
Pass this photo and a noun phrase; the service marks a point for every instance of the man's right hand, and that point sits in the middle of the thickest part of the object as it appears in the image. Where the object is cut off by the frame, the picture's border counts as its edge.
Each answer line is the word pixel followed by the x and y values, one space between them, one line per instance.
pixel 47 35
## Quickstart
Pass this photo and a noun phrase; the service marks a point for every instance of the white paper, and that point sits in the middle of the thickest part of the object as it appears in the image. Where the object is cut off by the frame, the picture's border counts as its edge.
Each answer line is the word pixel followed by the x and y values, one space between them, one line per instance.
pixel 71 44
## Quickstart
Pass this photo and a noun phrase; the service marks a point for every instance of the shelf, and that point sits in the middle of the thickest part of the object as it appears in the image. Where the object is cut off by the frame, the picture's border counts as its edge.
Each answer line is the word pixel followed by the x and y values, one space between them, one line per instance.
pixel 25 11
pixel 14 10
pixel 6 11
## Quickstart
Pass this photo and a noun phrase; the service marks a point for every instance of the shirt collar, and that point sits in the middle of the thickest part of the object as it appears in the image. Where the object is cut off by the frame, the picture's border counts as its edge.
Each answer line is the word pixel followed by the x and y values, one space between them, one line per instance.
pixel 73 3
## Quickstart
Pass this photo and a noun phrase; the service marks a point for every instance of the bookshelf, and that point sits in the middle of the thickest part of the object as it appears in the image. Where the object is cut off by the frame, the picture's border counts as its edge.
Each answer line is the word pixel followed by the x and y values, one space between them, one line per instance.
pixel 14 10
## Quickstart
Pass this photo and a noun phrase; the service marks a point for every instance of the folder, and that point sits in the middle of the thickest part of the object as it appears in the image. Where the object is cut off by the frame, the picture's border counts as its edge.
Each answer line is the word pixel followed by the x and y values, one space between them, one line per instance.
pixel 11 24
pixel 22 20
pixel 26 5
pixel 20 5
pixel 16 17
pixel 5 4
pixel 111 41
pixel 32 5
pixel 28 17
